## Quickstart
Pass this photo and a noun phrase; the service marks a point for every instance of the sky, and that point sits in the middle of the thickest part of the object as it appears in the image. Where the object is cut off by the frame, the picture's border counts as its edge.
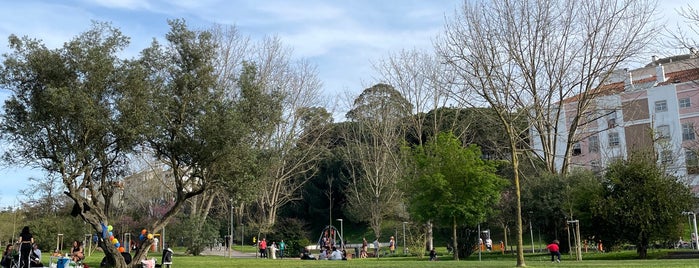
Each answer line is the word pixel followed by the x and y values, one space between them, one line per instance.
pixel 340 37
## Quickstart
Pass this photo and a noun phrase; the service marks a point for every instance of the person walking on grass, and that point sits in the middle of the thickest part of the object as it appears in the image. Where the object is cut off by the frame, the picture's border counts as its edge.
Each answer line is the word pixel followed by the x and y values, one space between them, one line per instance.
pixel 554 250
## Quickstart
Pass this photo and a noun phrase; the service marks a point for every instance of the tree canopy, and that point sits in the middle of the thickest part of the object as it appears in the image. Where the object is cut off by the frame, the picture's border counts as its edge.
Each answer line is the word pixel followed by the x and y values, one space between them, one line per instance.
pixel 452 185
pixel 640 204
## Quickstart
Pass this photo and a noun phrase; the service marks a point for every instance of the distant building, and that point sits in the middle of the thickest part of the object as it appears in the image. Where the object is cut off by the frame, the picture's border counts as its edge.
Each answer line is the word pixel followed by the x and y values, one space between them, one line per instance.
pixel 654 108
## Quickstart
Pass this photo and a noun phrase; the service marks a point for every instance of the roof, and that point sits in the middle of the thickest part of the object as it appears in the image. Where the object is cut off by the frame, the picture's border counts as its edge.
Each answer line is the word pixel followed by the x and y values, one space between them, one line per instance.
pixel 677 77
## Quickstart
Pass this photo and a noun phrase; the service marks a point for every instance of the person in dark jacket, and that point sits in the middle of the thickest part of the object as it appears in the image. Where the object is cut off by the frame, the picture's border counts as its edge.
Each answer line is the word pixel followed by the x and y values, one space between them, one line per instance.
pixel 167 257
pixel 25 240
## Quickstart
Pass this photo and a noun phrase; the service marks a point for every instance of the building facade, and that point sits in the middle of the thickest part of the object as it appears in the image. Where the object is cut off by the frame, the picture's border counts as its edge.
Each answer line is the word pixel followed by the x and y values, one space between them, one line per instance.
pixel 654 108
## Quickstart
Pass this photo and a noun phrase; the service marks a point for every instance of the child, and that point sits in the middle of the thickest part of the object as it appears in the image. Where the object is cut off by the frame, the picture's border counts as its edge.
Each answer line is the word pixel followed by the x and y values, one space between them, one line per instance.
pixel 433 255
pixel 553 249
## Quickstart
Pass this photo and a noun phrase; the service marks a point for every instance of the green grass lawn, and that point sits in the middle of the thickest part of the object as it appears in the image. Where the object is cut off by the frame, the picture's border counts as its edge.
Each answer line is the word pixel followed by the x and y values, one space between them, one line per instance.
pixel 617 259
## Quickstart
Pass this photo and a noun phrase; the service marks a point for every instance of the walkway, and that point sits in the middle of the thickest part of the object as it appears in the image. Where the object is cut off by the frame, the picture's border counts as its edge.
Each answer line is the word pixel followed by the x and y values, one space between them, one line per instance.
pixel 225 253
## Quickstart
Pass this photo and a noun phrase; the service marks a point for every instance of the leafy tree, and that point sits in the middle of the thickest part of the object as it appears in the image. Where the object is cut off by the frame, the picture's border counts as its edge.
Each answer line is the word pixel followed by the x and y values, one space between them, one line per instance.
pixel 452 185
pixel 640 204
pixel 67 115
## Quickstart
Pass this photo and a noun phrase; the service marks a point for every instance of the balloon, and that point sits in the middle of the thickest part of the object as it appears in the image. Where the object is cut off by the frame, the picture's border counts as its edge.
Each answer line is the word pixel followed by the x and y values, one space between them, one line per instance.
pixel 110 233
pixel 109 228
pixel 121 249
pixel 114 241
pixel 150 236
pixel 111 237
pixel 143 231
pixel 142 237
pixel 117 245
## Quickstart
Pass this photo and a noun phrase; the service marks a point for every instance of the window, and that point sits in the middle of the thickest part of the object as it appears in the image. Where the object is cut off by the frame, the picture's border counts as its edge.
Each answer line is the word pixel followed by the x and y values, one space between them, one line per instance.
pixel 576 149
pixel 688 131
pixel 663 132
pixel 666 157
pixel 685 103
pixel 660 106
pixel 593 143
pixel 613 139
pixel 595 166
pixel 691 161
pixel 611 119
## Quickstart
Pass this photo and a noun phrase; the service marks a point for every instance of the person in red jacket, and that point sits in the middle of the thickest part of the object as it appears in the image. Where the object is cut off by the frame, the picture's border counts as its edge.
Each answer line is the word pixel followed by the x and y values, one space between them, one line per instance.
pixel 263 248
pixel 554 250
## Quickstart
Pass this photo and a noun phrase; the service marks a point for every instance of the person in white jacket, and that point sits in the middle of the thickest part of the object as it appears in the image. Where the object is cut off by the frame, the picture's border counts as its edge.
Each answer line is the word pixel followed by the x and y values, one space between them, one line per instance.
pixel 273 250
pixel 336 255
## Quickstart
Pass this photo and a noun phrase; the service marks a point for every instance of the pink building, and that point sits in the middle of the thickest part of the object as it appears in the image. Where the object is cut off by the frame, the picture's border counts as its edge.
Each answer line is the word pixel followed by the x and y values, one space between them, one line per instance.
pixel 655 107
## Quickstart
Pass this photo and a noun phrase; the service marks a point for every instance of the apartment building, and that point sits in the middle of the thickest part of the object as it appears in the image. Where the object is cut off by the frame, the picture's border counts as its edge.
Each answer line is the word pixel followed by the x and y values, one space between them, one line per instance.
pixel 655 107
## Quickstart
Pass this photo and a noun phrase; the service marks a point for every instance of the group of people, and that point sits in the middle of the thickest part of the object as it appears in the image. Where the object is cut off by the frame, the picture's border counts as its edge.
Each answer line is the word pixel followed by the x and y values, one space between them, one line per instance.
pixel 270 251
pixel 333 253
pixel 377 246
pixel 29 254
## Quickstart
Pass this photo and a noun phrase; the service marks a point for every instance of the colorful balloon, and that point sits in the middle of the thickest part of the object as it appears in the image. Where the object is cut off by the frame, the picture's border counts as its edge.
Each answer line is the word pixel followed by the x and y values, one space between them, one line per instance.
pixel 150 236
pixel 109 228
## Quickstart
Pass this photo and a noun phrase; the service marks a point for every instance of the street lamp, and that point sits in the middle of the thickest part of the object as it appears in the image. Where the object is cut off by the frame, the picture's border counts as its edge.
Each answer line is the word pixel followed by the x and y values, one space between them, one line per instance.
pixel 531 232
pixel 695 239
pixel 405 250
pixel 342 235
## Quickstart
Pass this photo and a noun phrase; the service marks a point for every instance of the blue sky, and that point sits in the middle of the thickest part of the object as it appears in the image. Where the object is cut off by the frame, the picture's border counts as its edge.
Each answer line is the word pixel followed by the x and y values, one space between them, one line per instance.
pixel 341 37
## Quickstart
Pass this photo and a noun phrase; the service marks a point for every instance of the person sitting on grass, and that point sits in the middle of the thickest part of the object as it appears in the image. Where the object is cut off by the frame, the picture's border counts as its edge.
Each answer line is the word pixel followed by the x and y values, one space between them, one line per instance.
pixel 433 255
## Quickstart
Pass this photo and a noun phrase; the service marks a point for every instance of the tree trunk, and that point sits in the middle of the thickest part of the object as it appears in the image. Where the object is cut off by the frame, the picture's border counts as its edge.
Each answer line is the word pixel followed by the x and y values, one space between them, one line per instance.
pixel 515 167
pixel 429 239
pixel 455 244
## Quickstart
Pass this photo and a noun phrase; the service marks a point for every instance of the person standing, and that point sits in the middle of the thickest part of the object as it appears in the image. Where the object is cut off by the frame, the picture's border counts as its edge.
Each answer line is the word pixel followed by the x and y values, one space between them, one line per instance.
pixel 25 240
pixel 167 256
pixel 365 247
pixel 273 250
pixel 376 247
pixel 392 245
pixel 282 247
pixel 554 250
pixel 263 248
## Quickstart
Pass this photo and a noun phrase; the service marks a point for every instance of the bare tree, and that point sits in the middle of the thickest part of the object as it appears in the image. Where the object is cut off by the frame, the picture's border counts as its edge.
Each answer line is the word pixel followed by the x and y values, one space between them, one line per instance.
pixel 373 137
pixel 422 80
pixel 294 147
pixel 529 59
pixel 685 34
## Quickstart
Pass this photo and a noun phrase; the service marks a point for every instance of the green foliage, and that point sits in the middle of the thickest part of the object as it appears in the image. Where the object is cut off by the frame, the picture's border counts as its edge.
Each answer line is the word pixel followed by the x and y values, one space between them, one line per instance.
pixel 640 204
pixel 195 236
pixel 451 182
pixel 451 185
pixel 292 231
pixel 379 103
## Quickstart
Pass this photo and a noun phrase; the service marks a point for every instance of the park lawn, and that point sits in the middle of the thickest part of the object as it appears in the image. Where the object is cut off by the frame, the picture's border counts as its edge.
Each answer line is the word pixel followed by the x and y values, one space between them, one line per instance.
pixel 538 260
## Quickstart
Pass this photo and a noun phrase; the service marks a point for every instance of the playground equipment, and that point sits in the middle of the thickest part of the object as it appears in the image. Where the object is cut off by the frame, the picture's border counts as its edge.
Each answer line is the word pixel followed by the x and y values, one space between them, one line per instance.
pixel 59 242
pixel 328 237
